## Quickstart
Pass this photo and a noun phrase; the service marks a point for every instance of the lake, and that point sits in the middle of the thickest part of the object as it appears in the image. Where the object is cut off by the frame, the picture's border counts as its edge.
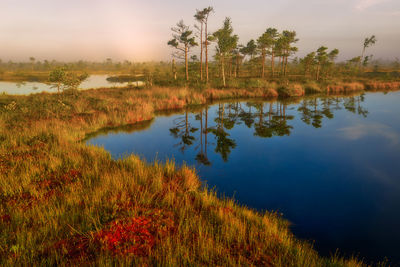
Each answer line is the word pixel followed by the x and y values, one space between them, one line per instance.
pixel 330 165
pixel 25 88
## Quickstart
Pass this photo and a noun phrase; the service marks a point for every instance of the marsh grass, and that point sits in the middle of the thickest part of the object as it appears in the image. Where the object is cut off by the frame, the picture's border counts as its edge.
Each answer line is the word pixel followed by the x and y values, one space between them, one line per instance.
pixel 67 203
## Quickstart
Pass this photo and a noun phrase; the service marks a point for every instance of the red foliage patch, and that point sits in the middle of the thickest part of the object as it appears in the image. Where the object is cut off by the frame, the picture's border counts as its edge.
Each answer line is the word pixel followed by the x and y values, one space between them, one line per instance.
pixel 133 236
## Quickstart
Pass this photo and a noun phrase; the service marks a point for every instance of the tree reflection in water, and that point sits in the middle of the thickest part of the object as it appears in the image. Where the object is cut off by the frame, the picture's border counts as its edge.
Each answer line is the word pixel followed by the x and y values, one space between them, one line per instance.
pixel 267 119
pixel 183 130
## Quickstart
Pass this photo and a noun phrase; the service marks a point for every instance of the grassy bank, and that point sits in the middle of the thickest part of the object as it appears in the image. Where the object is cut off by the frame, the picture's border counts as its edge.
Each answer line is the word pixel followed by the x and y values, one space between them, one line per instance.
pixel 63 202
pixel 25 76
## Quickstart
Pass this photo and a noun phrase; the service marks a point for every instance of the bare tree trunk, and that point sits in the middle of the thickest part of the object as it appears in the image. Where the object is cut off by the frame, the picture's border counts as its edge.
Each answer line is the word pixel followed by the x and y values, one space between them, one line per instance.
pixel 223 70
pixel 237 66
pixel 361 59
pixel 186 63
pixel 272 63
pixel 286 64
pixel 206 43
pixel 201 52
pixel 306 67
pixel 318 69
pixel 263 64
pixel 174 68
pixel 283 66
pixel 230 67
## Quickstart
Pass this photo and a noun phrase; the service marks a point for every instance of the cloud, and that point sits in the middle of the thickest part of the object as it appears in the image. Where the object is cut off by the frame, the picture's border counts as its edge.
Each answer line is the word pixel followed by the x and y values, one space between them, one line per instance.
pixel 374 129
pixel 365 4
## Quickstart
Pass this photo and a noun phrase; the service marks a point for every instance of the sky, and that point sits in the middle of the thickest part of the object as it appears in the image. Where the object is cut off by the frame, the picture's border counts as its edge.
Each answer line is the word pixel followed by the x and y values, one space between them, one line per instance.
pixel 139 30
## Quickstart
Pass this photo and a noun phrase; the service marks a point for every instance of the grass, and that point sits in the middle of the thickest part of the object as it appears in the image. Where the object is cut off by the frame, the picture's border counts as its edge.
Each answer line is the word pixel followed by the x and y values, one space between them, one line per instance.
pixel 67 203
pixel 24 76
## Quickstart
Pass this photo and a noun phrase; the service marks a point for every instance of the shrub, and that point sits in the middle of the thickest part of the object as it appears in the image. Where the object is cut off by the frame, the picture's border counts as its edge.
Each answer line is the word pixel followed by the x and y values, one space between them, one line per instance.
pixel 290 90
pixel 312 87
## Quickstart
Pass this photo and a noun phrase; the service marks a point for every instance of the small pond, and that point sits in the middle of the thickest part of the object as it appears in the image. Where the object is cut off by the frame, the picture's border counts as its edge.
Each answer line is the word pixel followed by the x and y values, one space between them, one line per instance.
pixel 25 88
pixel 330 165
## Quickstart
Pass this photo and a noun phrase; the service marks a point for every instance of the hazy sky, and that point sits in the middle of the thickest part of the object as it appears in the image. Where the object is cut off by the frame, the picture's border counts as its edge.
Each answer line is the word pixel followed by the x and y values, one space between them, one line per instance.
pixel 139 30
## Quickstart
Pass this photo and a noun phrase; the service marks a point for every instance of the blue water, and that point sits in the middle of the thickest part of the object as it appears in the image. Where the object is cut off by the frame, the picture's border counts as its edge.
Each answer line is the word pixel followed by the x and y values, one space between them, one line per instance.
pixel 330 165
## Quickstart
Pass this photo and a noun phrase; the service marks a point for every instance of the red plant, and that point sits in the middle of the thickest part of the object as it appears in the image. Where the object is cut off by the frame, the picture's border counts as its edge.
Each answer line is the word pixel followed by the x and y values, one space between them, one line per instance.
pixel 133 236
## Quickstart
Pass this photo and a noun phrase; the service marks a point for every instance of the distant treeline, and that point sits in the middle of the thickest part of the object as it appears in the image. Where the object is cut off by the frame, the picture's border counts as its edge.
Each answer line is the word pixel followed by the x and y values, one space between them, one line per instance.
pixel 108 66
pixel 297 67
